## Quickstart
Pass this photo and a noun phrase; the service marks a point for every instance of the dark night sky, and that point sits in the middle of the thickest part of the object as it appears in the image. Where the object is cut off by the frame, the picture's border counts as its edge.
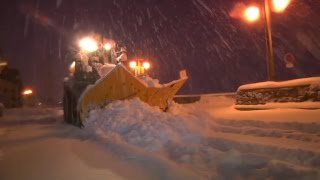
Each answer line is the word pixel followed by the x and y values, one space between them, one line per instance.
pixel 219 52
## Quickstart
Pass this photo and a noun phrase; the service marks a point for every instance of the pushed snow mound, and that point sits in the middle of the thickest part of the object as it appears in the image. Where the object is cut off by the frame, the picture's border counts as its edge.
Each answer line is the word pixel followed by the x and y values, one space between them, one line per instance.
pixel 103 70
pixel 137 123
pixel 202 138
pixel 150 82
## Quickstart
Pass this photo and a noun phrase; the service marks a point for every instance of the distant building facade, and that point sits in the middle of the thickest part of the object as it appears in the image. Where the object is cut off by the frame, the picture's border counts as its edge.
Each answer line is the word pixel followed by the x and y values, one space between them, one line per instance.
pixel 10 88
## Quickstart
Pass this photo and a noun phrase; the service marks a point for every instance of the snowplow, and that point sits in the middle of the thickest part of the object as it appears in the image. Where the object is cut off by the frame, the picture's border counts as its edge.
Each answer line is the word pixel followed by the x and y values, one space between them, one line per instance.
pixel 105 82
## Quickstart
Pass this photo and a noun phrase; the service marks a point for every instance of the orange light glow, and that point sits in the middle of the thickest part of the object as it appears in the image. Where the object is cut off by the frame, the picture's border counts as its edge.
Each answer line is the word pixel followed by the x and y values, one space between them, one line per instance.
pixel 107 46
pixel 72 67
pixel 133 64
pixel 251 13
pixel 27 92
pixel 3 63
pixel 280 5
pixel 88 44
pixel 146 65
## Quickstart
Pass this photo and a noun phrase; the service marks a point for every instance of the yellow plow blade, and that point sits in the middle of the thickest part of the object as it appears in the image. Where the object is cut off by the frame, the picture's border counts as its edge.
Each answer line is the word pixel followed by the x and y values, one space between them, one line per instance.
pixel 120 84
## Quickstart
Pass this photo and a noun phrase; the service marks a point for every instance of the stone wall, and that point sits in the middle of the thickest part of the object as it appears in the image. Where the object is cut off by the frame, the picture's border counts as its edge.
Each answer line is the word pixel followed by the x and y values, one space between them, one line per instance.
pixel 301 93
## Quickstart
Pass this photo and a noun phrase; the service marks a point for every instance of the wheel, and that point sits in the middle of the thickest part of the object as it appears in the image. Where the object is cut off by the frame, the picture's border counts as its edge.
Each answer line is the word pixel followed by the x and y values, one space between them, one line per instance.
pixel 66 106
pixel 70 102
pixel 73 109
pixel 75 117
pixel 70 108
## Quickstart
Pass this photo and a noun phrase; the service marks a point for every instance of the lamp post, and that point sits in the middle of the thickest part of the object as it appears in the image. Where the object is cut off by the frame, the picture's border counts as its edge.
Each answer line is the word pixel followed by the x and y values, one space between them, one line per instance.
pixel 251 14
pixel 270 58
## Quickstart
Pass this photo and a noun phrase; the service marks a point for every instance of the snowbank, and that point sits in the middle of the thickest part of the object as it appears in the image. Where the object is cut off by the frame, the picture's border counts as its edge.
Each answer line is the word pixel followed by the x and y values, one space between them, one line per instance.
pixel 137 123
pixel 213 136
pixel 103 70
pixel 299 93
pixel 294 105
pixel 290 83
pixel 150 82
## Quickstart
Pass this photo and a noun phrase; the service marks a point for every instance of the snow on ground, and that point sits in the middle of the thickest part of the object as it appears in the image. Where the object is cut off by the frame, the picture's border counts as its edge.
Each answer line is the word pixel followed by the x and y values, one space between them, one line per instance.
pixel 201 137
pixel 131 140
pixel 34 146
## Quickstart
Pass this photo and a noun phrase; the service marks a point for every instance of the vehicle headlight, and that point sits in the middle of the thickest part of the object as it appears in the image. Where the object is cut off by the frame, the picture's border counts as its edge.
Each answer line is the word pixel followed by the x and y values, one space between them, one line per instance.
pixel 107 46
pixel 88 44
pixel 133 64
pixel 72 67
pixel 146 65
pixel 27 92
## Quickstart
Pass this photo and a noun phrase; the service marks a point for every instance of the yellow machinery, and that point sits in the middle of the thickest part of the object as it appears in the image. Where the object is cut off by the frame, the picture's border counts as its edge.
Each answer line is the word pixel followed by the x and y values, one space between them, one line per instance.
pixel 85 90
pixel 121 84
pixel 118 84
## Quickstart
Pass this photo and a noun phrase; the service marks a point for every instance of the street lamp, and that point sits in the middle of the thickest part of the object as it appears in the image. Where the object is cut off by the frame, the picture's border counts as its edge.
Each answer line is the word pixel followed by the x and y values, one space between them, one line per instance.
pixel 251 15
pixel 280 5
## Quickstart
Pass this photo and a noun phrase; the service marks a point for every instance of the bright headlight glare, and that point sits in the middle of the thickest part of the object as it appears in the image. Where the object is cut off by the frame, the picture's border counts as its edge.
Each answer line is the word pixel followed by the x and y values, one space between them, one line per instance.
pixel 27 92
pixel 107 46
pixel 3 63
pixel 133 64
pixel 72 67
pixel 88 44
pixel 146 65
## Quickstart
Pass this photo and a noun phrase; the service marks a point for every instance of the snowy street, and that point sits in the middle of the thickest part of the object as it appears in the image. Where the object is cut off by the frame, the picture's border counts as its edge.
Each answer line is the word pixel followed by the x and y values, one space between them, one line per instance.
pixel 160 90
pixel 131 140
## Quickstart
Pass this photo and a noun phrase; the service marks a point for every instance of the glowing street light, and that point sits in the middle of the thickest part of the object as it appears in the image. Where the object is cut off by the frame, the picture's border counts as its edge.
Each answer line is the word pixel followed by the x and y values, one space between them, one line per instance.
pixel 252 13
pixel 280 5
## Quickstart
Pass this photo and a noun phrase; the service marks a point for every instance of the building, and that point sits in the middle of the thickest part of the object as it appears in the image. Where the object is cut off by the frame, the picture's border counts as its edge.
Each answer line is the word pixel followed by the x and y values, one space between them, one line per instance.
pixel 10 88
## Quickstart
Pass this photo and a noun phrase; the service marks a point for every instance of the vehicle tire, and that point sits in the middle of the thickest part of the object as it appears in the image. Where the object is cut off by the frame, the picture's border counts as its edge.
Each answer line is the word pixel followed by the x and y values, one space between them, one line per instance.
pixel 70 108
pixel 66 106
pixel 73 109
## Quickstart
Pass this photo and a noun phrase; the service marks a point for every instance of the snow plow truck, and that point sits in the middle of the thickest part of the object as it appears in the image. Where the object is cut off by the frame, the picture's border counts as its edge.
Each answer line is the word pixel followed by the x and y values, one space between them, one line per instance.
pixel 99 75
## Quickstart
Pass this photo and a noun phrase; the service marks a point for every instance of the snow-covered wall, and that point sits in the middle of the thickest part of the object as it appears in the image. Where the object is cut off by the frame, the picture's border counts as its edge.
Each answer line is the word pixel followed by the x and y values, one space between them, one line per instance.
pixel 279 92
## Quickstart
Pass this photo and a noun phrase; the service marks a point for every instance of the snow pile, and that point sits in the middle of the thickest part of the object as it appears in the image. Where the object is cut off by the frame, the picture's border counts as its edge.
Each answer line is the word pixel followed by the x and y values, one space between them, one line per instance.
pixel 204 140
pixel 137 123
pixel 212 136
pixel 150 82
pixel 314 81
pixel 286 105
pixel 104 69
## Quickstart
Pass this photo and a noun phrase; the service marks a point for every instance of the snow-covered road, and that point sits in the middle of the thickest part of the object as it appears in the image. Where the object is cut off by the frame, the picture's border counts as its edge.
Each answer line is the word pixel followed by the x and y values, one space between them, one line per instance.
pixel 130 140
